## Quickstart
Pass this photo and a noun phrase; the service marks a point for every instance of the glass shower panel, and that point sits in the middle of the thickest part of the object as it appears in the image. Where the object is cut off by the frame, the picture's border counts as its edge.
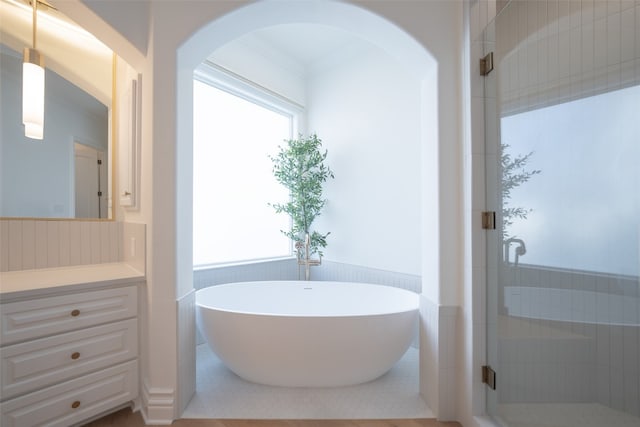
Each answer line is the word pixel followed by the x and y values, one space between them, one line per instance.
pixel 563 173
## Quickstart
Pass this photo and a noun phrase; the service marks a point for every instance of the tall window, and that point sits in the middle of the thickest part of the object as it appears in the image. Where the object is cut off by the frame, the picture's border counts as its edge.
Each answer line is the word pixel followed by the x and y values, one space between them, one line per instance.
pixel 235 129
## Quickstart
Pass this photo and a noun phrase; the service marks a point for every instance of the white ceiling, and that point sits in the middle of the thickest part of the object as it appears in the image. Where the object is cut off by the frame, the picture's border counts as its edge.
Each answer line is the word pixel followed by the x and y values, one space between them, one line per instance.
pixel 306 43
pixel 303 44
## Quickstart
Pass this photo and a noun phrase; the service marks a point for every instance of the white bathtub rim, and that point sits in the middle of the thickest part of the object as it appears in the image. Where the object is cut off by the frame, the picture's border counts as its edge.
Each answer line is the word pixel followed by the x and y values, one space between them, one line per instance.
pixel 400 291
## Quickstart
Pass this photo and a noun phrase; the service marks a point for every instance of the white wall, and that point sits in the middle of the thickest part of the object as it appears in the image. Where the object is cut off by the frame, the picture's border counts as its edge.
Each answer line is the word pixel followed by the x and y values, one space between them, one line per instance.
pixel 366 109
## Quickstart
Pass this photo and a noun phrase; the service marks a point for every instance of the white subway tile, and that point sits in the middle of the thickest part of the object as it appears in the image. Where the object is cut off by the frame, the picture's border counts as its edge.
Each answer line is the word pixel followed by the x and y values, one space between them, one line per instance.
pixel 477 80
pixel 587 12
pixel 600 9
pixel 616 350
pixel 564 15
pixel 490 81
pixel 576 52
pixel 626 4
pixel 575 11
pixel 552 17
pixel 553 65
pixel 630 310
pixel 616 387
pixel 564 54
pixel 478 124
pixel 483 17
pixel 491 9
pixel 613 39
pixel 542 59
pixel 627 35
pixel 532 64
pixel 491 136
pixel 631 353
pixel 603 380
pixel 631 395
pixel 613 7
pixel 532 20
pixel 637 29
pixel 474 21
pixel 600 80
pixel 600 43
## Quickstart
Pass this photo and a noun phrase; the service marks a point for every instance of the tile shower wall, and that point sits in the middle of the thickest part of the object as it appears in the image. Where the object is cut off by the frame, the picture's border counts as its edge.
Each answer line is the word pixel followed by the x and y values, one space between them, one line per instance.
pixel 30 244
pixel 549 52
pixel 557 50
pixel 573 361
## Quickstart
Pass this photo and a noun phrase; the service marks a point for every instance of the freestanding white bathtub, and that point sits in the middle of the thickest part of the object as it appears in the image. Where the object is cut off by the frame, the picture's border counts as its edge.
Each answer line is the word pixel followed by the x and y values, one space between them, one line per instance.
pixel 307 334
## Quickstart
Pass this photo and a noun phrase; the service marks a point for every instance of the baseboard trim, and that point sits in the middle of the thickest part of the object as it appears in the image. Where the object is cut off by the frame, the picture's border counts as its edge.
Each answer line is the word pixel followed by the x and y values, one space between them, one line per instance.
pixel 158 405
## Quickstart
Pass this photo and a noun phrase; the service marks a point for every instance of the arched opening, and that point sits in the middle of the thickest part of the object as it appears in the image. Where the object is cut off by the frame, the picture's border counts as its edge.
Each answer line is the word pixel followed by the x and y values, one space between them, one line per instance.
pixel 362 23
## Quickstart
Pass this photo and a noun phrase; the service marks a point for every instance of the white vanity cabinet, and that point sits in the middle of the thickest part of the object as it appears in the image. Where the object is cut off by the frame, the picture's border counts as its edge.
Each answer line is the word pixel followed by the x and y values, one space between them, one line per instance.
pixel 67 354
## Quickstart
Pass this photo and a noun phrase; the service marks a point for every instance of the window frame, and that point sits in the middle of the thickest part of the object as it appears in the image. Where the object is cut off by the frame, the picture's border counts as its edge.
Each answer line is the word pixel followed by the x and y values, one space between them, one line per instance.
pixel 225 80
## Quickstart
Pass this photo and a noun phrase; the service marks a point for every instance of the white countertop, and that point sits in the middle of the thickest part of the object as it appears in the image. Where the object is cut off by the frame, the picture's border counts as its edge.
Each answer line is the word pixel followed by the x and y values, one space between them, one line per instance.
pixel 29 283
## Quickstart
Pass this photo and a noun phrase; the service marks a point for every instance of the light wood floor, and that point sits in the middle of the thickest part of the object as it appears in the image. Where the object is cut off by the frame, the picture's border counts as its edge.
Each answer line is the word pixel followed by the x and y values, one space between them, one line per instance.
pixel 125 418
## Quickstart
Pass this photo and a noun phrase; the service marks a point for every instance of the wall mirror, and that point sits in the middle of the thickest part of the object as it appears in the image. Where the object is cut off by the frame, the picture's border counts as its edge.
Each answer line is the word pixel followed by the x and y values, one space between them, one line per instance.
pixel 67 174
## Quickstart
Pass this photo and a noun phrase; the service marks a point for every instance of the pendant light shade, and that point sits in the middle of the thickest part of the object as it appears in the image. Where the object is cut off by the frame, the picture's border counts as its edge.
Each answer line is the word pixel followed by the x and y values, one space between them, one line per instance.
pixel 33 94
pixel 33 86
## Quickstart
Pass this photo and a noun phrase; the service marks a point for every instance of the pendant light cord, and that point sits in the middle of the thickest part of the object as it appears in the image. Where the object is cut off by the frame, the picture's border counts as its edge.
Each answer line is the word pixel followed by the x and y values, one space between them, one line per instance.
pixel 35 21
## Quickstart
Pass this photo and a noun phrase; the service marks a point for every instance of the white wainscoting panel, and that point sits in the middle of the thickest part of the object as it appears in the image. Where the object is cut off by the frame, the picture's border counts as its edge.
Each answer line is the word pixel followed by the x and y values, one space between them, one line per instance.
pixel 186 307
pixel 27 244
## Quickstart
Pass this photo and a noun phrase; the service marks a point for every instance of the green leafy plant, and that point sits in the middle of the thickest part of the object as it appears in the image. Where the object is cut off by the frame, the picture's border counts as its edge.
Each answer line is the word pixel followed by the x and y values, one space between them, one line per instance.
pixel 514 175
pixel 299 166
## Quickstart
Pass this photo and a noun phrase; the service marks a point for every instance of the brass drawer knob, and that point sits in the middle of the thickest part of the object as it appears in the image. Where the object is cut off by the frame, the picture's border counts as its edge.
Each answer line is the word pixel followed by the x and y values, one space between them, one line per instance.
pixel 75 404
pixel 75 313
pixel 75 355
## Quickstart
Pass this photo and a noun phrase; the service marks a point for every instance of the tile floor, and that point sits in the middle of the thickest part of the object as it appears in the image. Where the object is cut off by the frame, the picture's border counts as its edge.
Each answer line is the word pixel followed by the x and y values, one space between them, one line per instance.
pixel 222 394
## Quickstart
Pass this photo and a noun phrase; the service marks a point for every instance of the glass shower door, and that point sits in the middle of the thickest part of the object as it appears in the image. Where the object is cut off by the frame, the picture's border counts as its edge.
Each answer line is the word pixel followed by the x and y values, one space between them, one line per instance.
pixel 563 175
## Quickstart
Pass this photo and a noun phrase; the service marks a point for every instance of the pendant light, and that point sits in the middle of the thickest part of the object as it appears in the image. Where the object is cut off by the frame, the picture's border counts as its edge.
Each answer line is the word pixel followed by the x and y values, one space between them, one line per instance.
pixel 33 86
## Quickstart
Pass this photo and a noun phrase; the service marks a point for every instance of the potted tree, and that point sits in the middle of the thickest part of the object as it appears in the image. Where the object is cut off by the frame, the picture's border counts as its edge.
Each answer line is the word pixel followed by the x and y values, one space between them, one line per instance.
pixel 299 166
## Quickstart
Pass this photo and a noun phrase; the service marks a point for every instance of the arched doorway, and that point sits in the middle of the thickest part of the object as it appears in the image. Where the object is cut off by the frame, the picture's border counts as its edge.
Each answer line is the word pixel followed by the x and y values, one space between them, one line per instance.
pixel 362 23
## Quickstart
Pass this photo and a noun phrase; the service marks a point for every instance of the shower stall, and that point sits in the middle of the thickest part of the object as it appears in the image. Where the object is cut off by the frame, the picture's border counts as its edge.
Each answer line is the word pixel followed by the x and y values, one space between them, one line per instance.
pixel 562 128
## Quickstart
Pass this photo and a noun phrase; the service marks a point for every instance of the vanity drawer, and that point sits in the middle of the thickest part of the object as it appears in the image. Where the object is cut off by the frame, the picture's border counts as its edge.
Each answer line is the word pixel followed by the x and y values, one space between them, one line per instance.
pixel 40 363
pixel 23 320
pixel 73 401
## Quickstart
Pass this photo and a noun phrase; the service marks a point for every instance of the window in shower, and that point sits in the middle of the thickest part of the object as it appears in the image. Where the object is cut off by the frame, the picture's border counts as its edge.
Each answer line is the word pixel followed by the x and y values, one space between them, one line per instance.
pixel 583 205
pixel 235 129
